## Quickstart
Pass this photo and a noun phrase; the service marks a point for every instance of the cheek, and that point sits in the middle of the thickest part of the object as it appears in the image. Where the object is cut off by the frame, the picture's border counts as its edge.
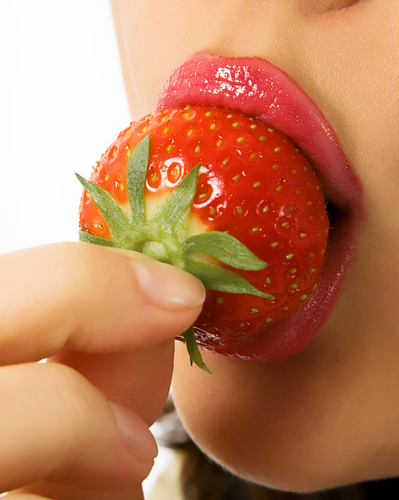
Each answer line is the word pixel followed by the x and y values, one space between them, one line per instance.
pixel 139 37
pixel 154 38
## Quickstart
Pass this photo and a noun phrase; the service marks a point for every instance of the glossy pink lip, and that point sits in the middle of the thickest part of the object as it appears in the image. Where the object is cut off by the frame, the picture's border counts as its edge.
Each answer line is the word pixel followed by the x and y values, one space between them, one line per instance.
pixel 256 87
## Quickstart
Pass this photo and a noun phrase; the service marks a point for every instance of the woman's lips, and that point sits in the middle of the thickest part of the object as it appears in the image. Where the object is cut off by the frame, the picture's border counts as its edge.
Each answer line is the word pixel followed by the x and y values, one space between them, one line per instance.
pixel 256 87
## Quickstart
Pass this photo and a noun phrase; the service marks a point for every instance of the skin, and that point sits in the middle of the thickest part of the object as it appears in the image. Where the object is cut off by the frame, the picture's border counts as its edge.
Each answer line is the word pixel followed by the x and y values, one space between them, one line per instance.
pixel 77 426
pixel 325 417
pixel 329 415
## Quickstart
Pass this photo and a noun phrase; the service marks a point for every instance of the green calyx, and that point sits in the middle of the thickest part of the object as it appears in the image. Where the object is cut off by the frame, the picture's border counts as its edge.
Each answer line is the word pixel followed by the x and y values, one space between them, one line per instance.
pixel 161 236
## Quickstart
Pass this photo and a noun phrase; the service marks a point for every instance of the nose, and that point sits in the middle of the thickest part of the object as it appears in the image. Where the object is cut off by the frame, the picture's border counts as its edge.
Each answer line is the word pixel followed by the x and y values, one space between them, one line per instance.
pixel 314 7
pixel 242 28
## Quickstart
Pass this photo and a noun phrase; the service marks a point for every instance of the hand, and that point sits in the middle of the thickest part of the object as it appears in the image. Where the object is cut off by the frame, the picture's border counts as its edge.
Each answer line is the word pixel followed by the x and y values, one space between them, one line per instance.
pixel 76 427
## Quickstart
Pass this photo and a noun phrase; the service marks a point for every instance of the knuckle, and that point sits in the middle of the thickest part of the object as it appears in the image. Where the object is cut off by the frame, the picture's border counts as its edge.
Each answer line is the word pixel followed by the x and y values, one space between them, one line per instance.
pixel 92 271
pixel 72 264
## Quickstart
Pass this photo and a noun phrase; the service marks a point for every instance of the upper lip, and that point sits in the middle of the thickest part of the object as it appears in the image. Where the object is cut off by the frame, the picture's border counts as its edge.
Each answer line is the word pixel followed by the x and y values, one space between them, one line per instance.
pixel 256 87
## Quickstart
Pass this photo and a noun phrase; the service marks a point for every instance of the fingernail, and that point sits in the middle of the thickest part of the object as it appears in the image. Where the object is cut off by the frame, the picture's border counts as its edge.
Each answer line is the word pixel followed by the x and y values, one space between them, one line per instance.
pixel 168 287
pixel 137 437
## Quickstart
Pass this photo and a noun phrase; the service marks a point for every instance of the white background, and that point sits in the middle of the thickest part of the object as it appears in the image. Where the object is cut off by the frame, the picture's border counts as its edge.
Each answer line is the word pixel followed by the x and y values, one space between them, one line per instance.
pixel 62 103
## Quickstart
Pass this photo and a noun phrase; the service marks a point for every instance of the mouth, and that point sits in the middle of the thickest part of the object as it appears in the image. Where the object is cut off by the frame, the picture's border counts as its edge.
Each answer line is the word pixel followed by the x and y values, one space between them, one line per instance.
pixel 256 87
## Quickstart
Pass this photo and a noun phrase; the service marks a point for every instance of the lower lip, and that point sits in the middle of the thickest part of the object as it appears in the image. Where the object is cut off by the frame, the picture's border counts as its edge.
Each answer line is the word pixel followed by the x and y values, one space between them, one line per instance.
pixel 255 87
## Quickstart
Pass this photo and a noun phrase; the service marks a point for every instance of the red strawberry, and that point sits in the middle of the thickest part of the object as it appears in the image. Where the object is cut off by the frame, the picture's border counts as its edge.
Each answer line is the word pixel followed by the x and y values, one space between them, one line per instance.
pixel 226 197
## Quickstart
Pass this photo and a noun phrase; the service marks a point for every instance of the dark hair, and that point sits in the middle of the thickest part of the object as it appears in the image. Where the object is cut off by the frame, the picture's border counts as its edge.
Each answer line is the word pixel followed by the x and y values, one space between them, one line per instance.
pixel 203 479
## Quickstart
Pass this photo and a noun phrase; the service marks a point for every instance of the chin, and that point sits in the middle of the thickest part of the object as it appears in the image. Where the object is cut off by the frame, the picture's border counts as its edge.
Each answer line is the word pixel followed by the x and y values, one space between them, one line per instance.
pixel 278 438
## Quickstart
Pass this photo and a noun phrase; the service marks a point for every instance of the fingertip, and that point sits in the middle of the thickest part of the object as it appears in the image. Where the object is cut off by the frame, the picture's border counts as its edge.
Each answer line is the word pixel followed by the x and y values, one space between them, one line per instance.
pixel 168 287
pixel 136 435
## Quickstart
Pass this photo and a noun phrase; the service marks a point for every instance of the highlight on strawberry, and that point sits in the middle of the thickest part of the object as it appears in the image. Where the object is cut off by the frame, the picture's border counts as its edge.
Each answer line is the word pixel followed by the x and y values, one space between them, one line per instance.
pixel 223 196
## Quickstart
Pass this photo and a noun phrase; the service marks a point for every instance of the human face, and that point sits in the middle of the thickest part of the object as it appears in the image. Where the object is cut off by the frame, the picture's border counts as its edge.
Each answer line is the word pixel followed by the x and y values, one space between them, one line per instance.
pixel 328 415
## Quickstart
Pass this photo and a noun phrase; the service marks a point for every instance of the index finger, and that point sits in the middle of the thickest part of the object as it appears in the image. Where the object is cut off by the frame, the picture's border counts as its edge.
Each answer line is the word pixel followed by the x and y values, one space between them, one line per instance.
pixel 91 299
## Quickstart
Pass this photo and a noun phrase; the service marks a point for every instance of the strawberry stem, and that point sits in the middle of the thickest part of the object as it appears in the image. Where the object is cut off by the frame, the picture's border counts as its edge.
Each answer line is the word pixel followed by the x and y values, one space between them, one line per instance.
pixel 193 350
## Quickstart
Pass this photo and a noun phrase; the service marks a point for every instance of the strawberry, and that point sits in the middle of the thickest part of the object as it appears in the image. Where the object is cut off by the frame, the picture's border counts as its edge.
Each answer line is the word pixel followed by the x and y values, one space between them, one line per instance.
pixel 225 197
